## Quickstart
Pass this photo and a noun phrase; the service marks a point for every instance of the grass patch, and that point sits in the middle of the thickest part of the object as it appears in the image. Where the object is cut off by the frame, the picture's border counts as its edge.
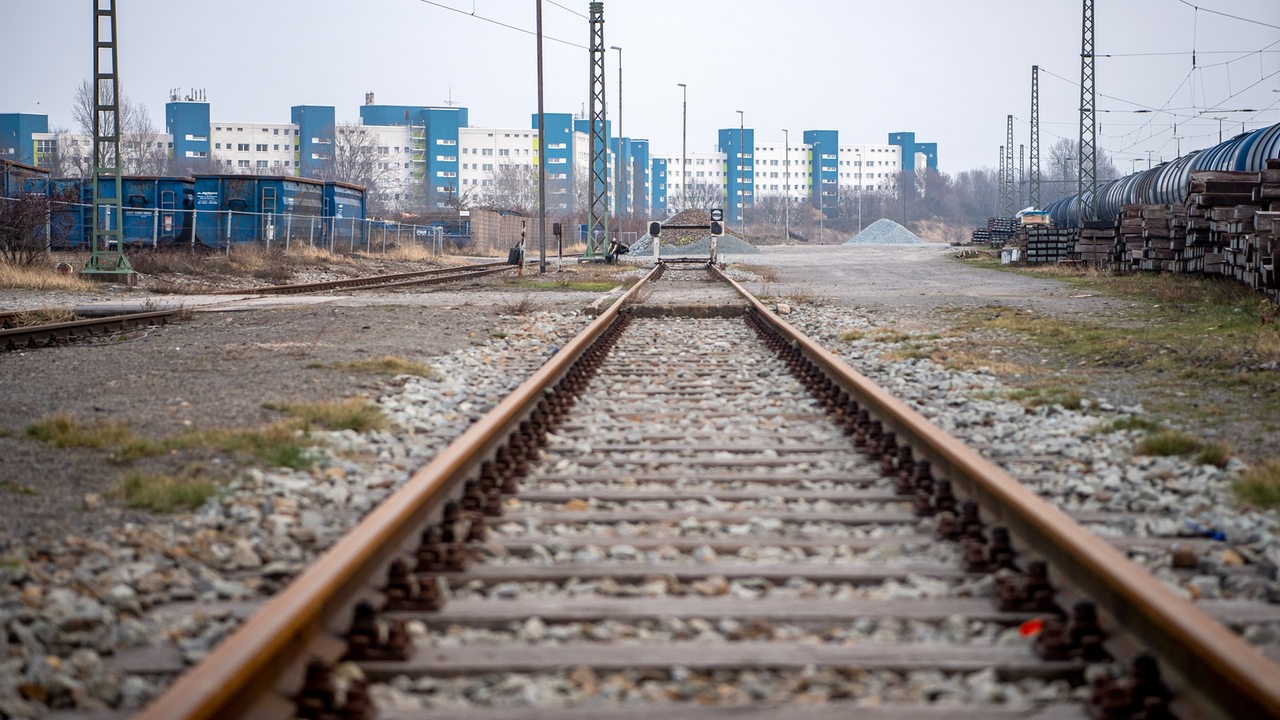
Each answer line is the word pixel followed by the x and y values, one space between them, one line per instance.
pixel 522 306
pixel 1260 486
pixel 18 488
pixel 61 431
pixel 1041 395
pixel 350 414
pixel 1129 422
pixel 278 445
pixel 1183 444
pixel 390 365
pixel 42 277
pixel 166 493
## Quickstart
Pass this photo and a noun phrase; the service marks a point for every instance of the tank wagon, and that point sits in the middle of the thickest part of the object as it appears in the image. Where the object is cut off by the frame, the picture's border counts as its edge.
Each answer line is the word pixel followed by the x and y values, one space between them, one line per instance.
pixel 1169 183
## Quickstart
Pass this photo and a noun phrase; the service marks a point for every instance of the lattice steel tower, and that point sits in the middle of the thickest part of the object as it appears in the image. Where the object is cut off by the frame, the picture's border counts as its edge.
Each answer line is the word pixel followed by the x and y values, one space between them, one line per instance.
pixel 1008 193
pixel 1087 182
pixel 106 259
pixel 1033 175
pixel 598 243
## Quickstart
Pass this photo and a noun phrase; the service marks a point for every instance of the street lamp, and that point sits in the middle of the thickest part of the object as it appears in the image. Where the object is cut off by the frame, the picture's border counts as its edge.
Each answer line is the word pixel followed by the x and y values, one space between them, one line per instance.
pixel 684 144
pixel 741 200
pixel 786 186
pixel 618 172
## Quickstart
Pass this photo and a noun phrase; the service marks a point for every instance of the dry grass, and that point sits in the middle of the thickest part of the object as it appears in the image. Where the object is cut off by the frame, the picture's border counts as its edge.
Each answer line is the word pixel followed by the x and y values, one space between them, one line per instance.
pixel 1261 484
pixel 390 365
pixel 1177 442
pixel 42 277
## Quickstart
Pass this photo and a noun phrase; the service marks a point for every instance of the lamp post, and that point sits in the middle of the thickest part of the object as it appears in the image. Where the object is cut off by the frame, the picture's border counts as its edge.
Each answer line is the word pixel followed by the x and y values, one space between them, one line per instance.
pixel 741 201
pixel 621 193
pixel 684 144
pixel 822 215
pixel 786 186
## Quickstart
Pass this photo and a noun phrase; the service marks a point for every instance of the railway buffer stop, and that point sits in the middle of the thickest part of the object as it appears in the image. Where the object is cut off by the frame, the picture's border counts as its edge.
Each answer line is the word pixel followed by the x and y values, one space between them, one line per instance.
pixel 714 228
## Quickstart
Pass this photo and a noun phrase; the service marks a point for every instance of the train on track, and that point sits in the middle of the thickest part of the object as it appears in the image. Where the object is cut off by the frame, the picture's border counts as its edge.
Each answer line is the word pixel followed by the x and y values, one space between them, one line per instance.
pixel 1169 183
pixel 209 211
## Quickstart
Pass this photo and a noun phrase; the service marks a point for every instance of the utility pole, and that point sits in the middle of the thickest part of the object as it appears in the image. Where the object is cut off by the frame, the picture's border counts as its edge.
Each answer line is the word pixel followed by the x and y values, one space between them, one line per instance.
pixel 741 201
pixel 786 186
pixel 1035 137
pixel 684 145
pixel 106 259
pixel 542 160
pixel 620 185
pixel 1087 181
pixel 598 246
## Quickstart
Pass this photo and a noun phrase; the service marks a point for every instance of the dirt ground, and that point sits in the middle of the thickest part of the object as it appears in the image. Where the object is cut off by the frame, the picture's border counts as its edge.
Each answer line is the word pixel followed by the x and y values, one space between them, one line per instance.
pixel 218 366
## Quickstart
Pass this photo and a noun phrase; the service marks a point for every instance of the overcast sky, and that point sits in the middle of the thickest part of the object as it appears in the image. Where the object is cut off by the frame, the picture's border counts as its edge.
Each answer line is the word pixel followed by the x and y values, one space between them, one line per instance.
pixel 949 70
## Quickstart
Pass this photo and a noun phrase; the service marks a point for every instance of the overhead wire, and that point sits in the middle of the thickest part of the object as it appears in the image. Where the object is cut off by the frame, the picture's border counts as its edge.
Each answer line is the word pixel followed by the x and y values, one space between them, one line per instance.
pixel 1197 8
pixel 506 25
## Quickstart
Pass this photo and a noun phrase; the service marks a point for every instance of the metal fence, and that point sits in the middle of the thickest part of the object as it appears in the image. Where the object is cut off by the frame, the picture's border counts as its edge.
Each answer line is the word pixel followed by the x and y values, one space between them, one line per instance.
pixel 70 225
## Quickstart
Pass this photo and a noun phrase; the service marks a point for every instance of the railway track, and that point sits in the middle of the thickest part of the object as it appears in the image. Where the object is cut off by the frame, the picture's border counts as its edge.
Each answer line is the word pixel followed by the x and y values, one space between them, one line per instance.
pixel 692 510
pixel 394 280
pixel 44 334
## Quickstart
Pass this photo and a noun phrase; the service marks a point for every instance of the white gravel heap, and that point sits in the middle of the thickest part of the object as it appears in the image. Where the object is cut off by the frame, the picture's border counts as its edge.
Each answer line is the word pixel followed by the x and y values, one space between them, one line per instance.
pixel 885 232
pixel 67 606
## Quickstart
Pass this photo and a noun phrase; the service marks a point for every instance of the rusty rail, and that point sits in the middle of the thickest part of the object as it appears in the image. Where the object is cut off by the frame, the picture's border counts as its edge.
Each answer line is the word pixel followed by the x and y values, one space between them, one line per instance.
pixel 1207 658
pixel 47 334
pixel 263 663
pixel 416 277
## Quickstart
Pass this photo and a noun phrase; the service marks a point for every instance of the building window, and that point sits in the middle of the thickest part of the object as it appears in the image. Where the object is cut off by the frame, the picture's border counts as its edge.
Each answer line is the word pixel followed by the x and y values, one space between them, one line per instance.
pixel 261 147
pixel 242 147
pixel 243 163
pixel 262 163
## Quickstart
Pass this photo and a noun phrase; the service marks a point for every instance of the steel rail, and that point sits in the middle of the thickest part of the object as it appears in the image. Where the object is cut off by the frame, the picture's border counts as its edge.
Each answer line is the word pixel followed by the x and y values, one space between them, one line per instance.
pixel 405 278
pixel 1209 660
pixel 239 678
pixel 37 335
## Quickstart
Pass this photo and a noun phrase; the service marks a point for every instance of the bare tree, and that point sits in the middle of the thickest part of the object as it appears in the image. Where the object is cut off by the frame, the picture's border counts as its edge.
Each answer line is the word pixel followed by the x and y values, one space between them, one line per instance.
pixel 143 148
pixel 515 187
pixel 24 222
pixel 704 195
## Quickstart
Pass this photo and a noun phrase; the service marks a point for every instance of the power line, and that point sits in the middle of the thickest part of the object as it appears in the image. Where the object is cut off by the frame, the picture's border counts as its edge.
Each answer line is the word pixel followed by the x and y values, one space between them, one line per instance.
pixel 567 9
pixel 1233 17
pixel 502 24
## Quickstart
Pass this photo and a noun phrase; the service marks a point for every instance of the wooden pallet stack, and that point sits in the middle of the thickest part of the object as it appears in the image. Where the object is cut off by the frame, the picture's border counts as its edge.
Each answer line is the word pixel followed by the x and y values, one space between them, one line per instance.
pixel 1046 244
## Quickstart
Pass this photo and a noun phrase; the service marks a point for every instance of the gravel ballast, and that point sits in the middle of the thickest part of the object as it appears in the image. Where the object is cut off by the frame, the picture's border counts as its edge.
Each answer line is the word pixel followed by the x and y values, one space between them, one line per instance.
pixel 85 581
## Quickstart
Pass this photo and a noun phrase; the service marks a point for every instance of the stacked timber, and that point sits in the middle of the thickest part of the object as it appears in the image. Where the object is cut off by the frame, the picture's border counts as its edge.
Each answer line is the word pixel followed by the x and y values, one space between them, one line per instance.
pixel 981 236
pixel 1098 245
pixel 1154 237
pixel 1046 244
pixel 1266 226
pixel 1233 215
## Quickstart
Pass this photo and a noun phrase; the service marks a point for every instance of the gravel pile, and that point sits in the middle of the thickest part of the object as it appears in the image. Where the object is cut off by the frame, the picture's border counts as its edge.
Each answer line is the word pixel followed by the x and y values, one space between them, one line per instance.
pixel 885 232
pixel 725 245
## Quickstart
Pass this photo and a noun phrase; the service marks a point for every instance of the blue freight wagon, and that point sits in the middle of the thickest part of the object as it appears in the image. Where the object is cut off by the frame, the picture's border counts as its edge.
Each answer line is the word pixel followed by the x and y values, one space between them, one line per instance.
pixel 14 177
pixel 157 210
pixel 344 213
pixel 237 209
